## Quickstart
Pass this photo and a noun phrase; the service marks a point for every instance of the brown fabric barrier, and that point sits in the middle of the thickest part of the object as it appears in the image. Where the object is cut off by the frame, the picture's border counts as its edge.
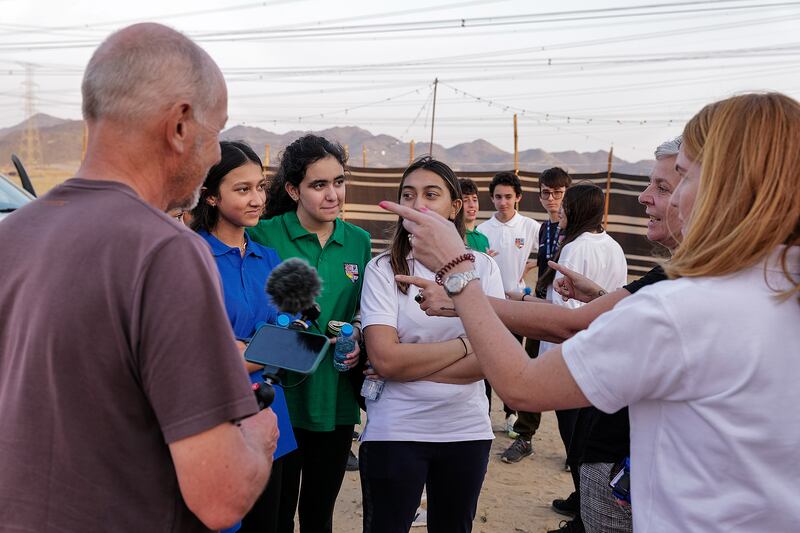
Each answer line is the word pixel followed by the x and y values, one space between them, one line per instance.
pixel 627 222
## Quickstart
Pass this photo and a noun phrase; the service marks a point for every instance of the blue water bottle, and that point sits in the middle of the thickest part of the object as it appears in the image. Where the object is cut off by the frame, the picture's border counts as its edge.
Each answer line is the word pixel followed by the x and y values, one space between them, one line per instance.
pixel 345 344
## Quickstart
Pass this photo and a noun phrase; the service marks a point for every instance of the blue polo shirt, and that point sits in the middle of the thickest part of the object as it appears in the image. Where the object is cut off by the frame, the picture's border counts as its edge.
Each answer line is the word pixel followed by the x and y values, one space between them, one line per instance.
pixel 243 281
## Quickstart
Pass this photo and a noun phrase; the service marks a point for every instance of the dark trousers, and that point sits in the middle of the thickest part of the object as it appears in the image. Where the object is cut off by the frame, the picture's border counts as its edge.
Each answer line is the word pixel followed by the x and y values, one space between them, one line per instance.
pixel 264 516
pixel 393 475
pixel 527 423
pixel 320 460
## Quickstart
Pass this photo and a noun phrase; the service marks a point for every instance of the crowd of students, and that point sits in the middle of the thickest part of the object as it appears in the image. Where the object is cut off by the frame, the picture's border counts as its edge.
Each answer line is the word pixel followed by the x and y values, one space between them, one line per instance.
pixel 429 430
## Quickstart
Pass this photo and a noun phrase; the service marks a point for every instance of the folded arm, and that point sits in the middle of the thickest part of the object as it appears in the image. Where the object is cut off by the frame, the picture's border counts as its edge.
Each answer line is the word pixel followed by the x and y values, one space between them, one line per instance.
pixel 408 361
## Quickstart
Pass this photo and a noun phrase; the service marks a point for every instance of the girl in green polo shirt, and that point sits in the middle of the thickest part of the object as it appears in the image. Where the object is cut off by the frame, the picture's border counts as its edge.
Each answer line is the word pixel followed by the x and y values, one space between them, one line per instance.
pixel 304 202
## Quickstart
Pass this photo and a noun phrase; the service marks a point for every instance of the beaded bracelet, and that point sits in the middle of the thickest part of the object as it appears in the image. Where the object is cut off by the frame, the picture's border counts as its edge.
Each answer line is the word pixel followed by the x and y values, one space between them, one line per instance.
pixel 449 266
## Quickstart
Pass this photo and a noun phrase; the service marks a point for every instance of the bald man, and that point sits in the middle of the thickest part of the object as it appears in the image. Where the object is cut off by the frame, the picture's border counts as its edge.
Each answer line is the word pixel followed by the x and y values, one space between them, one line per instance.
pixel 124 403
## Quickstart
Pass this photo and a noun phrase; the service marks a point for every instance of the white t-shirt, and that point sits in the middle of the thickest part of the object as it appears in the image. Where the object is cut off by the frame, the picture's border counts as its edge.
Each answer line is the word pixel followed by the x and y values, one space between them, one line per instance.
pixel 597 256
pixel 513 242
pixel 709 368
pixel 423 411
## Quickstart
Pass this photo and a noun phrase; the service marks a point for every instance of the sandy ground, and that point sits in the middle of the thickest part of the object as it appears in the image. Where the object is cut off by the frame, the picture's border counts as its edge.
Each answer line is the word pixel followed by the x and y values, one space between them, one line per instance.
pixel 515 498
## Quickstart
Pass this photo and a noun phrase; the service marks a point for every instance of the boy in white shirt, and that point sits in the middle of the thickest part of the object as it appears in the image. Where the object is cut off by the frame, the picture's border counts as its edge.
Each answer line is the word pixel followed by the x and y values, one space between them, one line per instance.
pixel 512 237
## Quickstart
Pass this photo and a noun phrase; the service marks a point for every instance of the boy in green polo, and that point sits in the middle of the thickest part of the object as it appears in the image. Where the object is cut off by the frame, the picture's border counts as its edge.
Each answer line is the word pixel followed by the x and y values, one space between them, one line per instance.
pixel 475 239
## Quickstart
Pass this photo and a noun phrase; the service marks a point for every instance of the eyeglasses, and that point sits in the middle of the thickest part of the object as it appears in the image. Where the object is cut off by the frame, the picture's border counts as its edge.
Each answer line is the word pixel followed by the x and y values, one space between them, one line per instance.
pixel 556 194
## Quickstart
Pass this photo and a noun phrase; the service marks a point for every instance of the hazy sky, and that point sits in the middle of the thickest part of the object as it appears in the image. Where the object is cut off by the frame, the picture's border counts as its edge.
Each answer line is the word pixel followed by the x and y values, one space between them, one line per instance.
pixel 581 75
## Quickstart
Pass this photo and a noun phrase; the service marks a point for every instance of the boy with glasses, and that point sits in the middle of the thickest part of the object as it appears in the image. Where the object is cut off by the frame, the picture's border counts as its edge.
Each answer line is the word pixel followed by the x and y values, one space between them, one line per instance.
pixel 553 183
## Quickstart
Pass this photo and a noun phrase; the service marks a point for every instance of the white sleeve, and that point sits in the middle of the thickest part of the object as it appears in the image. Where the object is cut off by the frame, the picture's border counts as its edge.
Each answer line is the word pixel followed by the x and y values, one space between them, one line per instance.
pixel 632 353
pixel 486 229
pixel 572 257
pixel 491 281
pixel 536 226
pixel 379 300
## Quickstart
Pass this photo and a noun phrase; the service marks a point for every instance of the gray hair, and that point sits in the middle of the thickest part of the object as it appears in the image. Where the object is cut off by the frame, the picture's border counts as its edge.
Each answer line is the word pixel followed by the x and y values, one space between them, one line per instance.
pixel 669 148
pixel 144 69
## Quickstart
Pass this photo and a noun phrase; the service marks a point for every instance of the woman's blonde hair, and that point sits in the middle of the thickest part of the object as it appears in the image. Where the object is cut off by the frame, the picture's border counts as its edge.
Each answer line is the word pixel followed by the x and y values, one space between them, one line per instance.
pixel 748 202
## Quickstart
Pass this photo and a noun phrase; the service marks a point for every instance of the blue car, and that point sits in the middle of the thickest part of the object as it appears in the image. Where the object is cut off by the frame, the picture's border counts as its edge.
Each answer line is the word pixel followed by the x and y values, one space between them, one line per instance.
pixel 12 197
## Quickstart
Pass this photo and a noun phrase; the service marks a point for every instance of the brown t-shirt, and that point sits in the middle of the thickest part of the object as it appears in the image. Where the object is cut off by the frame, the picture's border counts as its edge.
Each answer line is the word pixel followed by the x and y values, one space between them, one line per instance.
pixel 114 342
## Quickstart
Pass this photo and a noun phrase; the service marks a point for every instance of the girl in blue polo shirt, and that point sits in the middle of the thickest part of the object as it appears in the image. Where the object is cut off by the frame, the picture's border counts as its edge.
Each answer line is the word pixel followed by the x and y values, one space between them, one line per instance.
pixel 232 198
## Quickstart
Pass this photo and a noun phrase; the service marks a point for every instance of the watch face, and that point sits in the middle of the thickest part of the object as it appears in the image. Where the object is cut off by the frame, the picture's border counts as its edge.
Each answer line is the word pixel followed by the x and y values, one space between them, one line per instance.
pixel 454 283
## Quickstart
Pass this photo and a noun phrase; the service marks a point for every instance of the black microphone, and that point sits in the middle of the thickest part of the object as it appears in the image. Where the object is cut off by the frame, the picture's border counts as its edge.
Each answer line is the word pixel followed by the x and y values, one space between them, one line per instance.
pixel 293 287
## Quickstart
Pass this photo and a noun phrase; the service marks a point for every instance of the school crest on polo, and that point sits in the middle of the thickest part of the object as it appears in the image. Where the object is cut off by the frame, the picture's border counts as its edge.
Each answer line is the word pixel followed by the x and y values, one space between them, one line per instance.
pixel 351 271
pixel 519 242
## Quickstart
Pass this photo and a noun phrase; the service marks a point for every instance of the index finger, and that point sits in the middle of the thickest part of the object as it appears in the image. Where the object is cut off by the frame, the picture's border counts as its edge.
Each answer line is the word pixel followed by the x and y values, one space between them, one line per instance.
pixel 405 212
pixel 559 268
pixel 422 283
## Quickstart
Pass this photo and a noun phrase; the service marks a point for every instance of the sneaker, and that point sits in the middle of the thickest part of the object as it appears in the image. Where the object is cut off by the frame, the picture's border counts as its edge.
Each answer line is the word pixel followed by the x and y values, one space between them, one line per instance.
pixel 352 462
pixel 518 450
pixel 568 507
pixel 420 518
pixel 573 526
pixel 510 421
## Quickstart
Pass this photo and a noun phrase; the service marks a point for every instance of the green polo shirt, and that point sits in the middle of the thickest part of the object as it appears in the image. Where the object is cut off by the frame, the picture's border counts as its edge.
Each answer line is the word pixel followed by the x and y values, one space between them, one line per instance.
pixel 324 399
pixel 477 241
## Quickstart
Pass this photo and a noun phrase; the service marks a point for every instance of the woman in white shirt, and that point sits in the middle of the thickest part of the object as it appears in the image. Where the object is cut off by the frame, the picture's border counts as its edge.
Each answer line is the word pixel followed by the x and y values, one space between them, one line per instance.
pixel 430 427
pixel 707 362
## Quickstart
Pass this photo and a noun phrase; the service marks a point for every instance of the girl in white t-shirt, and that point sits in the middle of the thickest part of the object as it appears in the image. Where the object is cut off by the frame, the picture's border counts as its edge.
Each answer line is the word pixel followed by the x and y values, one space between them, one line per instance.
pixel 590 251
pixel 430 426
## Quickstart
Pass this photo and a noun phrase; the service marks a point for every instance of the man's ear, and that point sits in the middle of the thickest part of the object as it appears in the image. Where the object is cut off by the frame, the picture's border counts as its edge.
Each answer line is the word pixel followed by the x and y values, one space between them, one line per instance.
pixel 177 126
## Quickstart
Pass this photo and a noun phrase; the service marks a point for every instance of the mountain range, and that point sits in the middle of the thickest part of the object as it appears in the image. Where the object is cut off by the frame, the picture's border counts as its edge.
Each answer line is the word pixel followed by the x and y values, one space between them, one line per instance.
pixel 61 143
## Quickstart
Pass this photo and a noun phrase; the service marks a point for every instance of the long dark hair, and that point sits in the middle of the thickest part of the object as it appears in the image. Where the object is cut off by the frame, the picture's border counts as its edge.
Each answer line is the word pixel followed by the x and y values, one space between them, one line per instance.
pixel 401 247
pixel 295 159
pixel 583 205
pixel 235 154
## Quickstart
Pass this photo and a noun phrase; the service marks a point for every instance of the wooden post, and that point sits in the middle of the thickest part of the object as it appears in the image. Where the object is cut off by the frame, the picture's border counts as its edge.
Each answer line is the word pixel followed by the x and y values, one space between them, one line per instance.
pixel 608 189
pixel 433 115
pixel 364 155
pixel 346 152
pixel 516 146
pixel 411 152
pixel 85 141
pixel 266 156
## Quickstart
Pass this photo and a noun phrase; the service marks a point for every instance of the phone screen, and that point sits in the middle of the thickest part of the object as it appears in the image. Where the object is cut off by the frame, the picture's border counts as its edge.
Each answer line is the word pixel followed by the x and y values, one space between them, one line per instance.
pixel 289 349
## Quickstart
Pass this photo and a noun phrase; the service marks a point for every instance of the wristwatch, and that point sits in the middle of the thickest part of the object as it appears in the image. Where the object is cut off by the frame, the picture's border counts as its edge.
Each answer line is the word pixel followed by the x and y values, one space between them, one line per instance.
pixel 455 283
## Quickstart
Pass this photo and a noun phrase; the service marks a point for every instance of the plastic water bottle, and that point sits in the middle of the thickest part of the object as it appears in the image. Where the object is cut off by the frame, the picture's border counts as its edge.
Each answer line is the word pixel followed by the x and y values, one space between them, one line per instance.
pixel 372 388
pixel 345 344
pixel 283 320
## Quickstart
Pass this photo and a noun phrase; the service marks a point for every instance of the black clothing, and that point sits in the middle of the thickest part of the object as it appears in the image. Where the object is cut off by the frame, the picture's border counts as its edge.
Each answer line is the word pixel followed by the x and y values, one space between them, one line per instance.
pixel 607 436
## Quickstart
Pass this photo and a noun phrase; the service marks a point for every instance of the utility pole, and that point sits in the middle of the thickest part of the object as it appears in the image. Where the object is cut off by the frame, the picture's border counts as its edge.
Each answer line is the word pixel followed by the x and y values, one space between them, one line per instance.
pixel 31 142
pixel 516 147
pixel 433 115
pixel 411 152
pixel 608 189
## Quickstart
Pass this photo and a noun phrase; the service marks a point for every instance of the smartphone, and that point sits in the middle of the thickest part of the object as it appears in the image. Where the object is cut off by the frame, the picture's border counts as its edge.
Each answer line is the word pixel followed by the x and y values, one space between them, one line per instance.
pixel 621 484
pixel 289 349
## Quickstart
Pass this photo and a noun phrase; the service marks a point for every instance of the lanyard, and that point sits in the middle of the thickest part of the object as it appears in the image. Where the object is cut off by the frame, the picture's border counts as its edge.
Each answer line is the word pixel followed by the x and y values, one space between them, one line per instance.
pixel 551 239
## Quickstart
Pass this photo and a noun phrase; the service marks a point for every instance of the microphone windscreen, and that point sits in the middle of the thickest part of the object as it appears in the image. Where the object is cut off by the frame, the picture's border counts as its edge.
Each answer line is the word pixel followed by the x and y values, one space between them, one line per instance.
pixel 293 286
